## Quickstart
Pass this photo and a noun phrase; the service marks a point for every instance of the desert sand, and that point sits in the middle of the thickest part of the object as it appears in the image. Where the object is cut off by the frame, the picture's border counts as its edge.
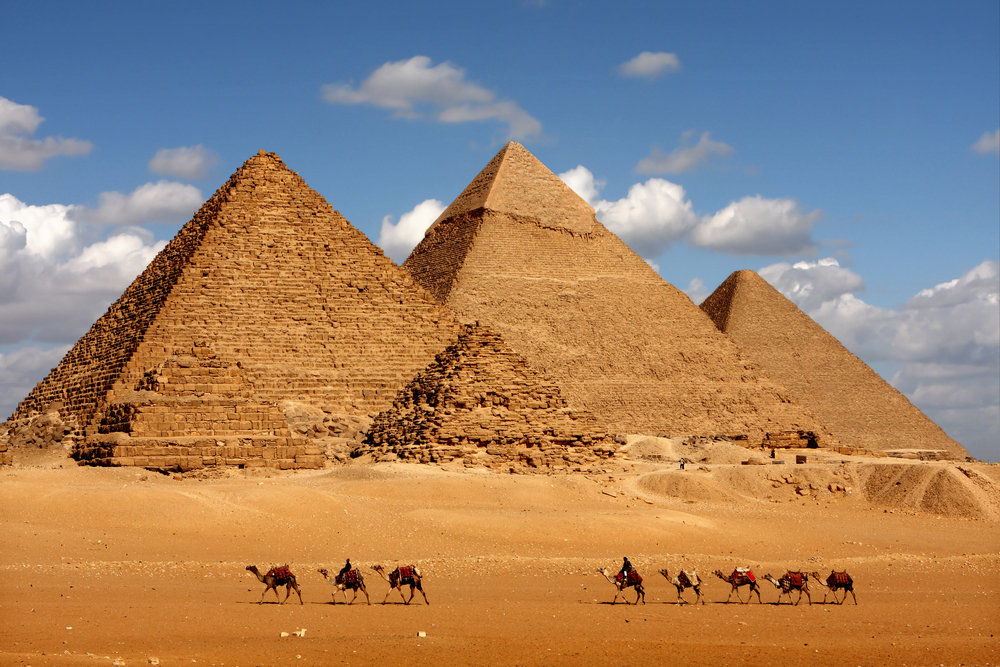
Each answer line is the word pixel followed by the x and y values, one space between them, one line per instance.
pixel 125 566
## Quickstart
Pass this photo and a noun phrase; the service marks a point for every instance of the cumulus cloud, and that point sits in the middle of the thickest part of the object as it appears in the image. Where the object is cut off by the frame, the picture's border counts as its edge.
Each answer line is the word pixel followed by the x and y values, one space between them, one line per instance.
pixel 758 226
pixel 811 284
pixel 412 88
pixel 946 339
pixel 988 143
pixel 697 291
pixel 398 240
pixel 21 369
pixel 18 150
pixel 650 65
pixel 163 201
pixel 57 275
pixel 653 215
pixel 683 158
pixel 190 162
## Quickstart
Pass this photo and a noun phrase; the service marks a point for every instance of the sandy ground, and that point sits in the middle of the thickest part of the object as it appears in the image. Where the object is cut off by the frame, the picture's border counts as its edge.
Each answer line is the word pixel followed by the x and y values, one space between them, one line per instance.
pixel 131 567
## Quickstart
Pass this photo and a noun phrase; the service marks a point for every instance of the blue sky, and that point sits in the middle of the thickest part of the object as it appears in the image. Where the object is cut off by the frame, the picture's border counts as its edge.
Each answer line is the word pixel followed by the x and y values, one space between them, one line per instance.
pixel 848 151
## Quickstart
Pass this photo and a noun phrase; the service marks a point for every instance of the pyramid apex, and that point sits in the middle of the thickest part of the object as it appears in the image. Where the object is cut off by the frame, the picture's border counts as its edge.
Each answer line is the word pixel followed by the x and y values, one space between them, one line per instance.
pixel 262 152
pixel 515 182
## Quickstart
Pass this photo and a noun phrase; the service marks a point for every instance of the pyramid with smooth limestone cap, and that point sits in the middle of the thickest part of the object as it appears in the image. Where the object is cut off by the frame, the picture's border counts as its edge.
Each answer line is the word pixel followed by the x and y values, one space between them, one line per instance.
pixel 522 253
pixel 267 294
pixel 858 407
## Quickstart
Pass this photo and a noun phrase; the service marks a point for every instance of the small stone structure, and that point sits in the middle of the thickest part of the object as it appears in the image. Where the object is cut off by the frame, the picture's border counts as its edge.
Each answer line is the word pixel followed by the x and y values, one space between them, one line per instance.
pixel 857 407
pixel 481 402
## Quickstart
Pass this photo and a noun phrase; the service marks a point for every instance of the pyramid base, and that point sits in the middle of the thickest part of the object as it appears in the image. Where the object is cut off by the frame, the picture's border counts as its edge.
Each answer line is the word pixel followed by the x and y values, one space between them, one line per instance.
pixel 6 456
pixel 193 452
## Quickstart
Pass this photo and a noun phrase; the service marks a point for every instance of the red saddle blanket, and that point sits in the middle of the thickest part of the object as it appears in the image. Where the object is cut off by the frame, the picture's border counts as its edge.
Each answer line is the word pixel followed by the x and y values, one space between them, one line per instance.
pixel 348 578
pixel 741 578
pixel 839 579
pixel 684 580
pixel 794 579
pixel 633 578
pixel 281 574
pixel 405 572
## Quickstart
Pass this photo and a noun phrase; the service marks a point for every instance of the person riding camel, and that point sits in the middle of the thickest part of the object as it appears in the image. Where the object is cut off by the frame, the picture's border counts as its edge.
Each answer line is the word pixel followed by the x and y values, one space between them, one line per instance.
pixel 626 568
pixel 344 570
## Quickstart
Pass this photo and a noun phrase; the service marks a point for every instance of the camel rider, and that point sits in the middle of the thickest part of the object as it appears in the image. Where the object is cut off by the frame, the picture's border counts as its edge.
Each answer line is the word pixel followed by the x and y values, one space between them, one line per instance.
pixel 626 568
pixel 347 568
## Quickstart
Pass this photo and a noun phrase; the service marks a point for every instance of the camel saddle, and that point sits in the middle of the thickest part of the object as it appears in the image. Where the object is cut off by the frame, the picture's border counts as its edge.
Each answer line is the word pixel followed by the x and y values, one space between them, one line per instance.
pixel 633 578
pixel 405 573
pixel 348 578
pixel 743 575
pixel 839 579
pixel 794 579
pixel 684 579
pixel 280 574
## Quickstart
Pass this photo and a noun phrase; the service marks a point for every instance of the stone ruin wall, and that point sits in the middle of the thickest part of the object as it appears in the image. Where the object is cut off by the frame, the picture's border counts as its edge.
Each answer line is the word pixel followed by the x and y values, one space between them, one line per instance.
pixel 482 403
pixel 858 407
pixel 621 342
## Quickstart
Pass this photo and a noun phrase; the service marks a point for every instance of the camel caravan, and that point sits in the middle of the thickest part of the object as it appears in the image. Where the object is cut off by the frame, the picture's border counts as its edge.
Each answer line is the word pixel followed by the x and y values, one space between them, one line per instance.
pixel 351 579
pixel 628 577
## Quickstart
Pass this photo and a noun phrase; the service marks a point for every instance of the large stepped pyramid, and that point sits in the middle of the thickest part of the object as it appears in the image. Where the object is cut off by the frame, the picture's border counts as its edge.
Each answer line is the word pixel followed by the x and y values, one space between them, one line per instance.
pixel 520 252
pixel 481 402
pixel 266 277
pixel 853 401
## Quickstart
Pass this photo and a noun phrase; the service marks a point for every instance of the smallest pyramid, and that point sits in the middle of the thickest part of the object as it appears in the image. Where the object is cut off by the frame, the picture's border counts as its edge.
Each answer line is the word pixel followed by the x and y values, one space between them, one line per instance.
pixel 857 406
pixel 481 401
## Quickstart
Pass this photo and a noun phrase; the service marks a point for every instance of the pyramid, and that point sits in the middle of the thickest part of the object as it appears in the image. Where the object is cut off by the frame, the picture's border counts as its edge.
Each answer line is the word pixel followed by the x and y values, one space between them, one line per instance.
pixel 267 294
pixel 481 402
pixel 521 253
pixel 858 407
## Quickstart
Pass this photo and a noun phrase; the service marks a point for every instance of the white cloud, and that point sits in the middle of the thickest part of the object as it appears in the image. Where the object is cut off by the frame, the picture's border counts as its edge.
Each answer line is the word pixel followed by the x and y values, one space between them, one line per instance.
pixel 946 338
pixel 190 162
pixel 650 65
pixel 758 226
pixel 582 182
pixel 653 215
pixel 811 284
pixel 397 241
pixel 407 86
pixel 163 201
pixel 56 275
pixel 21 369
pixel 697 291
pixel 684 158
pixel 988 143
pixel 18 151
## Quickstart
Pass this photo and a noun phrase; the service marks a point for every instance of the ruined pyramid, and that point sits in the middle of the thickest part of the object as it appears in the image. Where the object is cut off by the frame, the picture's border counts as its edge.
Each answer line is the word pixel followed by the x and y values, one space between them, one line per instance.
pixel 266 295
pixel 520 252
pixel 857 406
pixel 481 402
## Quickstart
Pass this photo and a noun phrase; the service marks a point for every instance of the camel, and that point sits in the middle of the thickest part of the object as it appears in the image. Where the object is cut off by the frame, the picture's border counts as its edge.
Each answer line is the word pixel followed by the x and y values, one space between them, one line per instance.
pixel 740 578
pixel 791 581
pixel 277 576
pixel 408 575
pixel 684 580
pixel 349 580
pixel 621 583
pixel 835 582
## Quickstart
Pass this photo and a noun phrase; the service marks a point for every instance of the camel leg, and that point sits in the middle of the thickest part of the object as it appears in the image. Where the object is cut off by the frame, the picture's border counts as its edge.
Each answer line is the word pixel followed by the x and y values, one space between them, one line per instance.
pixel 759 601
pixel 355 592
pixel 640 591
pixel 386 596
pixel 852 595
pixel 276 596
pixel 412 593
pixel 805 590
pixel 736 589
pixel 421 589
pixel 262 595
pixel 698 591
pixel 367 599
pixel 299 593
pixel 401 596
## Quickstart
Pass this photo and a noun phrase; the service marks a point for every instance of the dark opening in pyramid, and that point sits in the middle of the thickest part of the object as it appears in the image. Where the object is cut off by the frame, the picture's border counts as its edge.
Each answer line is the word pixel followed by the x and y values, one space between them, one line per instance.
pixel 267 294
pixel 481 401
pixel 857 406
pixel 520 252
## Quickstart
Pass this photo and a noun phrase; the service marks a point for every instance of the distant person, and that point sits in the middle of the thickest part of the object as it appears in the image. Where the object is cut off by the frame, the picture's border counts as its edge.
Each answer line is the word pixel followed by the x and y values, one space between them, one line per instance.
pixel 626 568
pixel 347 568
